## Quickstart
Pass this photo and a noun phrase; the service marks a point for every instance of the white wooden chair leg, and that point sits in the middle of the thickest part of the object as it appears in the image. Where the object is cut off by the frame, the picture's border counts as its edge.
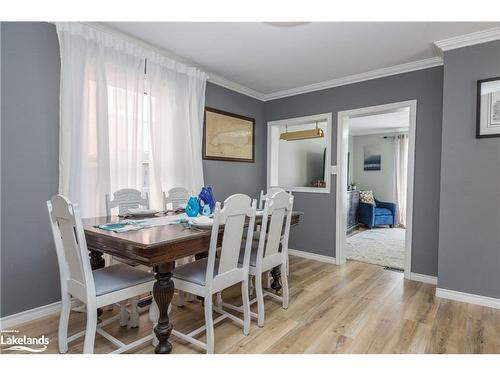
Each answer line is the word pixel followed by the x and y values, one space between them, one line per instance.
pixel 209 322
pixel 63 323
pixel 260 300
pixel 154 315
pixel 179 299
pixel 134 312
pixel 246 307
pixel 250 285
pixel 267 280
pixel 218 300
pixel 88 344
pixel 284 285
pixel 123 314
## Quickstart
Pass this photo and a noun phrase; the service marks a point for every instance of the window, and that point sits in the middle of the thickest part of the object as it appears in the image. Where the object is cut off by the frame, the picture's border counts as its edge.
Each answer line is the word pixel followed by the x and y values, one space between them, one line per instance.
pixel 299 153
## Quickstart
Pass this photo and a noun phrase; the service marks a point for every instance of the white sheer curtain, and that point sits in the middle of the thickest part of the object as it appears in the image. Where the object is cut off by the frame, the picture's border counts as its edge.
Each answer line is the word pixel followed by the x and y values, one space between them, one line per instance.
pixel 177 101
pixel 114 117
pixel 400 176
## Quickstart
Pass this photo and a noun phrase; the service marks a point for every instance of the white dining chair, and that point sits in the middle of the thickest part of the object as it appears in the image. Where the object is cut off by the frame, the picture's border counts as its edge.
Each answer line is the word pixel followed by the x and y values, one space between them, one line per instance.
pixel 176 197
pixel 102 287
pixel 269 193
pixel 125 199
pixel 209 276
pixel 271 251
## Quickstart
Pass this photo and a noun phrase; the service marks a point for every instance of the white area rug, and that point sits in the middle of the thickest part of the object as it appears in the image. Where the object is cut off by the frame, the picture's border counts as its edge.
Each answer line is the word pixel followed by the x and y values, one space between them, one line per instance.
pixel 382 246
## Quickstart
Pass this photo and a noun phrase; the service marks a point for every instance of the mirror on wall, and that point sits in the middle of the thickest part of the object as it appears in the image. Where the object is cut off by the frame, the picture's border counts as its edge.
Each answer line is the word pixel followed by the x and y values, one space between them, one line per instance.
pixel 299 153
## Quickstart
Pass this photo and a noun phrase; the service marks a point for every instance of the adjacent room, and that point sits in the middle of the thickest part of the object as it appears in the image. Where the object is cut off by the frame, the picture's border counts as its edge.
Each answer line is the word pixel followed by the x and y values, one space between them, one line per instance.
pixel 377 187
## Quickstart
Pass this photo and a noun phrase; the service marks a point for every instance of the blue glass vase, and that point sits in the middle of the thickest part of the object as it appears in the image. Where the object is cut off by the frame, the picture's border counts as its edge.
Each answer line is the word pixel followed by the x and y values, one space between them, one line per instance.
pixel 192 207
pixel 206 197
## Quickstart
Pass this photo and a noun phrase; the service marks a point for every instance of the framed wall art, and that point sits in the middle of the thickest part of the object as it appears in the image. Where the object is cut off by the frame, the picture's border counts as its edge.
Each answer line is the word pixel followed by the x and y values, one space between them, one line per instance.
pixel 228 136
pixel 488 108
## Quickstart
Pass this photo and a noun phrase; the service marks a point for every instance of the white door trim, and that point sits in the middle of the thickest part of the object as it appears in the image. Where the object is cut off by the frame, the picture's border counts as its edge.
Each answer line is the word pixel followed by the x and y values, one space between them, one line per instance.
pixel 341 184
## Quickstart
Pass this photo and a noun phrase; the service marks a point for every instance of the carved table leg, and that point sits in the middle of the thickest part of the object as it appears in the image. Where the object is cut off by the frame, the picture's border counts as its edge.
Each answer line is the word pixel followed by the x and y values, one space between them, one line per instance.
pixel 276 284
pixel 163 291
pixel 96 262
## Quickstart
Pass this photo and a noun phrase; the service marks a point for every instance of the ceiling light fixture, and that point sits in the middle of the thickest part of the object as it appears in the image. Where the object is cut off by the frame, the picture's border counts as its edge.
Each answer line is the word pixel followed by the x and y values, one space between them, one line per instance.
pixel 302 134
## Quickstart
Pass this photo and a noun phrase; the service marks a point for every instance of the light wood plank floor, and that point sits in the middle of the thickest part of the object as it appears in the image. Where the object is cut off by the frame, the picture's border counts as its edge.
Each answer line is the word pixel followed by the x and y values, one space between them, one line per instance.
pixel 355 308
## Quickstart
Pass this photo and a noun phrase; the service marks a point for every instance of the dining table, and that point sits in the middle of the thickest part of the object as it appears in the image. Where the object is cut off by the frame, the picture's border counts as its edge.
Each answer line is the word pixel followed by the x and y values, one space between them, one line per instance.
pixel 158 247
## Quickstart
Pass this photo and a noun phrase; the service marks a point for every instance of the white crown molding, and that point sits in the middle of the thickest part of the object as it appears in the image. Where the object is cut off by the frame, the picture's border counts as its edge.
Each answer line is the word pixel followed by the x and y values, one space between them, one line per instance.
pixel 469 39
pixel 468 298
pixel 372 74
pixel 233 86
pixel 312 256
pixel 423 278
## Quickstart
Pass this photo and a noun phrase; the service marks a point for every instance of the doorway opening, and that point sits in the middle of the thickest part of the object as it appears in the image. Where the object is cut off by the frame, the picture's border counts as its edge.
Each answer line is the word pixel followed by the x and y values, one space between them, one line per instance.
pixel 375 161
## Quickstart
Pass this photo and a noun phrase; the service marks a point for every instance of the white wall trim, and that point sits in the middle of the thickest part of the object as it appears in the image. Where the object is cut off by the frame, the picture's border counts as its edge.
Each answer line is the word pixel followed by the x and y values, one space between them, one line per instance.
pixel 366 76
pixel 469 39
pixel 29 315
pixel 423 278
pixel 307 255
pixel 341 186
pixel 468 298
pixel 233 86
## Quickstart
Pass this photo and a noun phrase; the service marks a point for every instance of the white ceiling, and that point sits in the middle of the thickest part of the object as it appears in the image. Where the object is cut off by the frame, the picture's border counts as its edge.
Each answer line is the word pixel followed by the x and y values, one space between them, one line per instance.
pixel 380 123
pixel 268 57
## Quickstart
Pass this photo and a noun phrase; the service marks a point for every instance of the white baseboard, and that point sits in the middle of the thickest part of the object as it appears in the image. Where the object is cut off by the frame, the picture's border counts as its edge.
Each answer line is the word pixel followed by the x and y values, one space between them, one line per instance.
pixel 468 298
pixel 33 314
pixel 423 278
pixel 307 255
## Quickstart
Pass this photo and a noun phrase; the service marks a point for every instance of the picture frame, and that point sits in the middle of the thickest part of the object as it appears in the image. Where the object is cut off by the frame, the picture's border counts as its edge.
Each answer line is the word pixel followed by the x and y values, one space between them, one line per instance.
pixel 228 136
pixel 488 108
pixel 372 158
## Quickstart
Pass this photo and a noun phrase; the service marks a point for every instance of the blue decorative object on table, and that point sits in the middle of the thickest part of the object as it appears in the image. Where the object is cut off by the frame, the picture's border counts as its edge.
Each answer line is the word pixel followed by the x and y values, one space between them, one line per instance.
pixel 206 197
pixel 193 207
pixel 206 210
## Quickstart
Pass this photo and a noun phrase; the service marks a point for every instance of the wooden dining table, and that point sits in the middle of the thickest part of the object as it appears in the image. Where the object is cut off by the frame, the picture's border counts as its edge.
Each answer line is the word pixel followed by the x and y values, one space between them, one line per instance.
pixel 157 247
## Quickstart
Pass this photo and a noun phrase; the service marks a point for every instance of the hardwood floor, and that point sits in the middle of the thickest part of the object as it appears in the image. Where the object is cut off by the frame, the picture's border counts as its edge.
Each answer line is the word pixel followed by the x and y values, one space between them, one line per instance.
pixel 355 308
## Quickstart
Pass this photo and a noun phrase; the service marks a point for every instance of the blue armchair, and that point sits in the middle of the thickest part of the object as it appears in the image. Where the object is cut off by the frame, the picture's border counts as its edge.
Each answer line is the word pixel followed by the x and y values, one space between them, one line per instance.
pixel 381 213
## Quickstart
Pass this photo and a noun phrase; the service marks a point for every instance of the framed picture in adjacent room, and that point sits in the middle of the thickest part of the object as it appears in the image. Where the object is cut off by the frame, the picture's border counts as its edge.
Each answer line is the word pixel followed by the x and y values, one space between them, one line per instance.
pixel 228 136
pixel 488 108
pixel 372 157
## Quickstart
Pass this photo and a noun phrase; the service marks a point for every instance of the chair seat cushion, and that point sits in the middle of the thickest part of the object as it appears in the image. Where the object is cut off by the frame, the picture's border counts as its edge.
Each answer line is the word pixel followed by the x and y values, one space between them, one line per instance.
pixel 117 277
pixel 382 211
pixel 194 272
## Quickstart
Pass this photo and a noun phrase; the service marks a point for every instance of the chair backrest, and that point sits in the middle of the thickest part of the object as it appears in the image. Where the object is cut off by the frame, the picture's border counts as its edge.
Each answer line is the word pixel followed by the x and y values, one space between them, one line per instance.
pixel 237 208
pixel 71 247
pixel 176 196
pixel 270 192
pixel 125 199
pixel 275 227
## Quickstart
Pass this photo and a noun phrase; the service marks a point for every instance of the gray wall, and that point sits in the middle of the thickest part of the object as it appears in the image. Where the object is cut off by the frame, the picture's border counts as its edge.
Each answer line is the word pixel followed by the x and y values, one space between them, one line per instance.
pixel 228 177
pixel 29 153
pixel 317 231
pixel 469 242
